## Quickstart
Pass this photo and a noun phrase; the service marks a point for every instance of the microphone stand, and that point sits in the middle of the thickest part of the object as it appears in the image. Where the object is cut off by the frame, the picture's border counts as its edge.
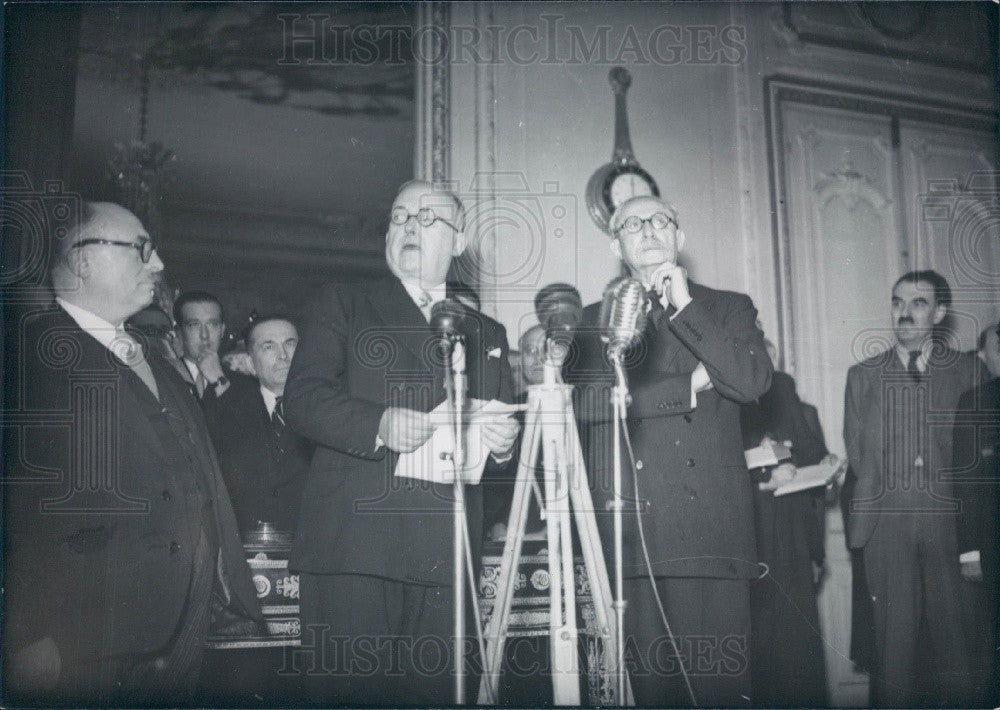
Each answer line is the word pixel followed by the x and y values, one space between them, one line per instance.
pixel 619 401
pixel 455 386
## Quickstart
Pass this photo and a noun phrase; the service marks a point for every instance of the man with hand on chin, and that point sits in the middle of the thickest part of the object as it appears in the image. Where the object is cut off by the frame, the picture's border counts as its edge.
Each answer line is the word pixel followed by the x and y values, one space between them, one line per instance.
pixel 374 551
pixel 700 358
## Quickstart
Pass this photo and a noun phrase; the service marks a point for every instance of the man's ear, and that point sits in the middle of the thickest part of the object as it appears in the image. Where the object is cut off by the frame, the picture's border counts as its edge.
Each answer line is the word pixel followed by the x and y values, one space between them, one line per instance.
pixel 458 244
pixel 616 248
pixel 79 263
pixel 940 311
pixel 681 238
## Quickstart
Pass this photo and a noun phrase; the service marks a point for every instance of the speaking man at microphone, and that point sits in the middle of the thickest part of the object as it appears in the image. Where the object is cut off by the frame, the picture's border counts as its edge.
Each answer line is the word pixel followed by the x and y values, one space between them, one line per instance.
pixel 699 356
pixel 374 551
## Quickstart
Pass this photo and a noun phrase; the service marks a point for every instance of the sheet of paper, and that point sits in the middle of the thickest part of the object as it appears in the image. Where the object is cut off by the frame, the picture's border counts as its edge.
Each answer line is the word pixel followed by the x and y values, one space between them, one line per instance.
pixel 769 454
pixel 433 460
pixel 811 477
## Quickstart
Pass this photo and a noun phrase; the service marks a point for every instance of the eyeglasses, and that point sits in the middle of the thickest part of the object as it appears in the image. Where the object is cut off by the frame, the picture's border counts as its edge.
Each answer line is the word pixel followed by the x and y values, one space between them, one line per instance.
pixel 145 247
pixel 425 217
pixel 634 224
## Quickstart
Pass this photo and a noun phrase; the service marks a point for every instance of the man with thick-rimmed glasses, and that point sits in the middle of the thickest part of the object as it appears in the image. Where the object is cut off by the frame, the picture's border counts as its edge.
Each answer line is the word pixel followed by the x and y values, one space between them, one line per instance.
pixel 118 532
pixel 374 552
pixel 701 357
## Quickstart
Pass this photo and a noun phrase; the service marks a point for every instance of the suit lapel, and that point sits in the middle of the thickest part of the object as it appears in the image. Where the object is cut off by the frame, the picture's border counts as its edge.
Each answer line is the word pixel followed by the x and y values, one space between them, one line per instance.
pixel 406 324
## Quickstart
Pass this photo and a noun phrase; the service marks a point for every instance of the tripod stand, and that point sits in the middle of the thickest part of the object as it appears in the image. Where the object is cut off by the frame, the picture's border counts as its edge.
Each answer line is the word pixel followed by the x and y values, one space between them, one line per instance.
pixel 550 429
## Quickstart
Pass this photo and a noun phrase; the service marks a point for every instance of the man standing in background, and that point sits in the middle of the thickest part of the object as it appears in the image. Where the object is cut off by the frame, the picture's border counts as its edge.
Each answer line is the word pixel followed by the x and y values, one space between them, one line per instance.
pixel 201 325
pixel 898 414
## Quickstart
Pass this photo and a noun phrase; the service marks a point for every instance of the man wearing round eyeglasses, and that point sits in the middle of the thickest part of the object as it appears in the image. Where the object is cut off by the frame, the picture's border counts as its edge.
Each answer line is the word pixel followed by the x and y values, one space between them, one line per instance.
pixel 374 551
pixel 120 530
pixel 702 356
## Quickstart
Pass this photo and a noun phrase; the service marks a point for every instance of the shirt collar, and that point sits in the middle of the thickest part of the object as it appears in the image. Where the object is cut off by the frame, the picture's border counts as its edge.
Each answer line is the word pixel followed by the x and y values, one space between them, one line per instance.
pixel 270 399
pixel 192 367
pixel 94 325
pixel 437 293
pixel 922 358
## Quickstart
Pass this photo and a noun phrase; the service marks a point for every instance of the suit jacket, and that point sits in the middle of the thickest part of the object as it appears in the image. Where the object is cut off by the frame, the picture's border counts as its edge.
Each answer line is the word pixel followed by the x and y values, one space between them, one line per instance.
pixel 365 348
pixel 898 436
pixel 976 464
pixel 264 475
pixel 694 487
pixel 101 510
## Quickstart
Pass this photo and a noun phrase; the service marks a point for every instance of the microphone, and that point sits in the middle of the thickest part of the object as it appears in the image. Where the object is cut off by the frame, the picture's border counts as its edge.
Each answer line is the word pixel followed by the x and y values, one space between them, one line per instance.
pixel 448 319
pixel 559 309
pixel 622 317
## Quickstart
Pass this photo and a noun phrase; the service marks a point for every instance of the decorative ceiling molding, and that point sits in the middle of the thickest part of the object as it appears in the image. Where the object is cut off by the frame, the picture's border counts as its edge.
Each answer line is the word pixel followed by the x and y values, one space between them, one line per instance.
pixel 954 35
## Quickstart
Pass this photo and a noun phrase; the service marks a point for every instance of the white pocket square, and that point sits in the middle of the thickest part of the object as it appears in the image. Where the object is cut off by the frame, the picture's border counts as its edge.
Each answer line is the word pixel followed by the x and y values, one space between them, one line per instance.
pixel 495 352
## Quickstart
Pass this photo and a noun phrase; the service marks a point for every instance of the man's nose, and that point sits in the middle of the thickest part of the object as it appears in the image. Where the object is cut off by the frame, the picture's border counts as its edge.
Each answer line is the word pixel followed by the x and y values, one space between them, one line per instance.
pixel 203 331
pixel 647 228
pixel 154 264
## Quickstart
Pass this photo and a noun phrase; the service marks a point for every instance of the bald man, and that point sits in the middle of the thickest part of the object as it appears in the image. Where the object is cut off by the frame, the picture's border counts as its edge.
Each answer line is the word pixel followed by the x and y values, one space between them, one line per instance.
pixel 118 533
pixel 702 356
pixel 374 551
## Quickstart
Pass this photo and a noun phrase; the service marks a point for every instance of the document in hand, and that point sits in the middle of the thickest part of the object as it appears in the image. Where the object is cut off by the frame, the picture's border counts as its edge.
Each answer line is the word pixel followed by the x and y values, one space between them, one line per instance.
pixel 767 454
pixel 433 460
pixel 812 477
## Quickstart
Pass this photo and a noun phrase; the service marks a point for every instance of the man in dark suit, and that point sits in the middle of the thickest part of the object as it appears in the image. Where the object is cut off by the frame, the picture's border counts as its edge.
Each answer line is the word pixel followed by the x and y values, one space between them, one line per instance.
pixel 700 358
pixel 374 551
pixel 976 464
pixel 787 659
pixel 263 461
pixel 898 437
pixel 119 538
pixel 201 325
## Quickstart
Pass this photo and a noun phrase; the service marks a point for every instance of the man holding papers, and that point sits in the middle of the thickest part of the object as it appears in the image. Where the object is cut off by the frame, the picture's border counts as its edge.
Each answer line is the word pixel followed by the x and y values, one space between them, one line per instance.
pixel 374 549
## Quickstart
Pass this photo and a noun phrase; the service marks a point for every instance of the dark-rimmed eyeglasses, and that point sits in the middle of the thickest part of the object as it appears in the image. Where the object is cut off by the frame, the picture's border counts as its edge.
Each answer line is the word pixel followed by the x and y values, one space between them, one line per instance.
pixel 634 224
pixel 425 217
pixel 145 247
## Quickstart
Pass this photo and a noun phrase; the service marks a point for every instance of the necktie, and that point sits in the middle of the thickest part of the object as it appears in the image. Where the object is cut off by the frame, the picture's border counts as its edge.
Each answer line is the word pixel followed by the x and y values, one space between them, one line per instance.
pixel 278 418
pixel 127 349
pixel 424 303
pixel 911 365
pixel 654 308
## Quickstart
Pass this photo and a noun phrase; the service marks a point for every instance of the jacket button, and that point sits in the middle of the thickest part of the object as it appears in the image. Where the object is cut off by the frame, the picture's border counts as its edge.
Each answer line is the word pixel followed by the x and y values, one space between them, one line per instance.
pixel 175 547
pixel 166 495
pixel 690 463
pixel 638 465
pixel 687 418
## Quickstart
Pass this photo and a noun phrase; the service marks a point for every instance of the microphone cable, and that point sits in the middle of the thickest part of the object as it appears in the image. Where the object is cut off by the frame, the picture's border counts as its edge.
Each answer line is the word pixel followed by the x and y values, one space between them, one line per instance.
pixel 649 565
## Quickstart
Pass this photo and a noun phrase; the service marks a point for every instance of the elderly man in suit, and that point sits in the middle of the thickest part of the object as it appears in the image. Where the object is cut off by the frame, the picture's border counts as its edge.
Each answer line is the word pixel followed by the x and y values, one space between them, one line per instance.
pixel 903 511
pixel 374 551
pixel 118 533
pixel 700 358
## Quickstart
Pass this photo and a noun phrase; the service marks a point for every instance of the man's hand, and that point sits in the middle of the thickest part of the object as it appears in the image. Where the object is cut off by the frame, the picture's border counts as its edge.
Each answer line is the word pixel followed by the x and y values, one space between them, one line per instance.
pixel 500 435
pixel 700 381
pixel 404 430
pixel 972 571
pixel 780 475
pixel 210 366
pixel 671 281
pixel 37 666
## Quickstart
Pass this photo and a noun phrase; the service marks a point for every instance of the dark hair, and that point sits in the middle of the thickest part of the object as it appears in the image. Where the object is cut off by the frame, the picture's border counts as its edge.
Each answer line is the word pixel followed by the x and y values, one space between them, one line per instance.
pixel 942 291
pixel 254 320
pixel 194 297
pixel 981 343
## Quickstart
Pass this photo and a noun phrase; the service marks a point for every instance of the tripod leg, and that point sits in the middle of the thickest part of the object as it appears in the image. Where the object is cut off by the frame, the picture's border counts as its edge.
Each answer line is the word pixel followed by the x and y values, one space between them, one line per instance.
pixel 597 571
pixel 496 629
pixel 562 593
